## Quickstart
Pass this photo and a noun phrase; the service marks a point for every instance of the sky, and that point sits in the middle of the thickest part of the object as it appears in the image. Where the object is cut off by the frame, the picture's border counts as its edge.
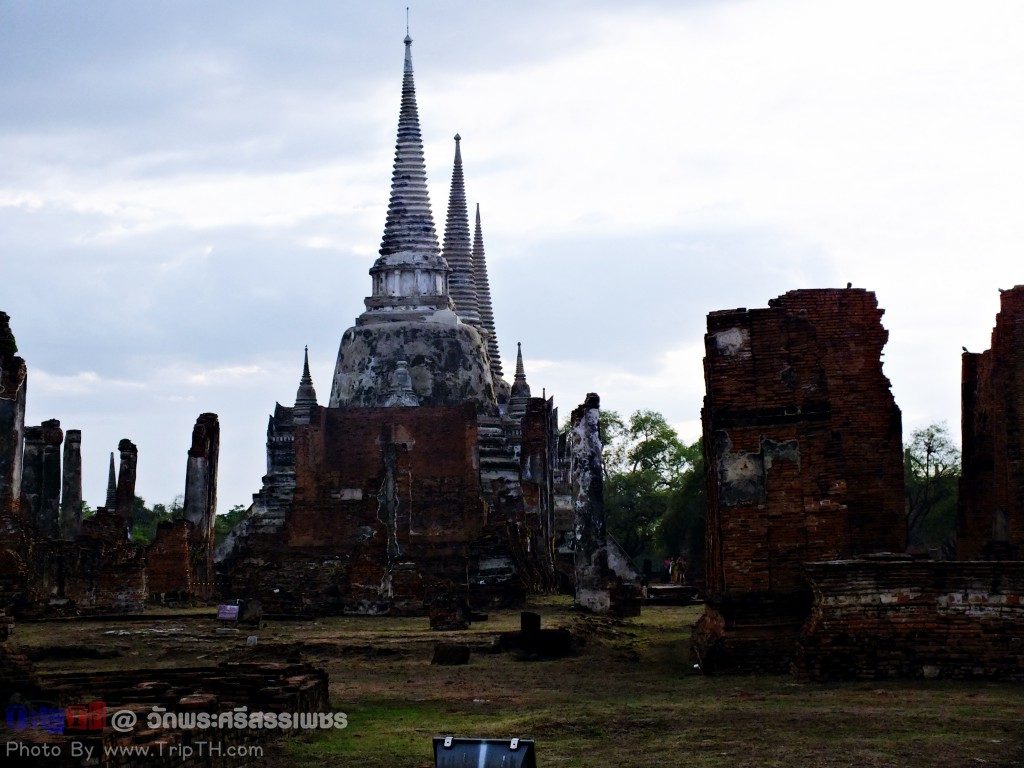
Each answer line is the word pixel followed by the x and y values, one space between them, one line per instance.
pixel 191 192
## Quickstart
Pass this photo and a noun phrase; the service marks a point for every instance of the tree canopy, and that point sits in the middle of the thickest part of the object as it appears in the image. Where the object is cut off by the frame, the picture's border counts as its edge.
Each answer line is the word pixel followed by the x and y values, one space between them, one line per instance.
pixel 654 487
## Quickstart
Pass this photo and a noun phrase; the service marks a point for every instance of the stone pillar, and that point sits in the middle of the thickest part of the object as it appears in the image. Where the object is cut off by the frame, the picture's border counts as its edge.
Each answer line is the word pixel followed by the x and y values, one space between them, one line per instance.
pixel 587 478
pixel 53 438
pixel 201 498
pixel 13 385
pixel 71 492
pixel 126 481
pixel 41 476
pixel 32 473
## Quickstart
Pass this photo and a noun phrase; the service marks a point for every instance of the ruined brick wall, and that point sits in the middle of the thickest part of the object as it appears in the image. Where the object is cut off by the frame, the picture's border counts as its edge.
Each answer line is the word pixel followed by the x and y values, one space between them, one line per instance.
pixel 802 442
pixel 13 387
pixel 200 507
pixel 169 573
pixel 991 514
pixel 904 618
pixel 102 571
pixel 536 471
pixel 376 488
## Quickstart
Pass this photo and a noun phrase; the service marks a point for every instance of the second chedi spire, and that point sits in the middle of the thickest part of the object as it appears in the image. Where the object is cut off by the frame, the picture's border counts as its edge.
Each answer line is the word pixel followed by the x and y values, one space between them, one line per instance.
pixel 483 294
pixel 457 249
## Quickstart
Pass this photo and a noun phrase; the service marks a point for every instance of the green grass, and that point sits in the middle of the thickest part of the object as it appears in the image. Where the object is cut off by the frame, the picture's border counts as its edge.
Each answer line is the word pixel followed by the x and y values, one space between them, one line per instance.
pixel 630 700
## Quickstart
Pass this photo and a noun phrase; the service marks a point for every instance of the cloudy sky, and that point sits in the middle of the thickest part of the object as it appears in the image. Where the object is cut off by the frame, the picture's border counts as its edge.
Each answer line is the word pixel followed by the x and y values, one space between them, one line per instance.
pixel 192 191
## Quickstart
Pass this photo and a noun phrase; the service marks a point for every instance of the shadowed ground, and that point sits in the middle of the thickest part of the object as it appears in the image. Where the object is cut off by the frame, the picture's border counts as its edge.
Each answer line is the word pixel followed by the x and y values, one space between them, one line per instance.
pixel 629 700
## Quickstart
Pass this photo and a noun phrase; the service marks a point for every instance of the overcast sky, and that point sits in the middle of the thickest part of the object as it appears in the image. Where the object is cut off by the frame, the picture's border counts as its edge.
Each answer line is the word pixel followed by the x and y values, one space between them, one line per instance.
pixel 192 191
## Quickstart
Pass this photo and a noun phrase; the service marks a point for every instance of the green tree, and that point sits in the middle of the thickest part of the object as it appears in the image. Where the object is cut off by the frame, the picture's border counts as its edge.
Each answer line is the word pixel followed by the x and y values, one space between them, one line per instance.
pixel 146 519
pixel 649 476
pixel 223 524
pixel 931 465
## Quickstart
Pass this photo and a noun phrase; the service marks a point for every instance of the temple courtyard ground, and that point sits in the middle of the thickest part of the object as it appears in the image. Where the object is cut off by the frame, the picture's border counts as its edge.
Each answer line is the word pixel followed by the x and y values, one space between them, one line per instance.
pixel 631 697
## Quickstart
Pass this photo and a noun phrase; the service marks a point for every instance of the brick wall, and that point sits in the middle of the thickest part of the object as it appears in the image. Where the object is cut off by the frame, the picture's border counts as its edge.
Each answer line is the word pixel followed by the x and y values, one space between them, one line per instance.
pixel 898 617
pixel 169 572
pixel 991 514
pixel 802 443
pixel 387 506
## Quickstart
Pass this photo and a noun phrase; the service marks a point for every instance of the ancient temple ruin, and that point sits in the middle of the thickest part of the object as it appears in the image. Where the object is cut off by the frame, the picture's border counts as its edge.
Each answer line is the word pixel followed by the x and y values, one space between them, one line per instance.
pixel 802 441
pixel 426 474
pixel 54 562
pixel 991 519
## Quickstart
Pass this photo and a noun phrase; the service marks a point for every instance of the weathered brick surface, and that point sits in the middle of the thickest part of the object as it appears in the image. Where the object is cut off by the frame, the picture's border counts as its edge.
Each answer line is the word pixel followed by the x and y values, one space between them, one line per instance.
pixel 898 617
pixel 180 559
pixel 385 500
pixel 991 515
pixel 169 573
pixel 802 443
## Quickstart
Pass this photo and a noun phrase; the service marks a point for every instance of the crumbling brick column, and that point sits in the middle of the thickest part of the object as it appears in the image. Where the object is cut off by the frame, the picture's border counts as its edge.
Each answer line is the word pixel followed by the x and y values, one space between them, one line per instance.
pixel 13 384
pixel 41 480
pixel 593 578
pixel 803 448
pixel 991 514
pixel 201 499
pixel 125 498
pixel 71 490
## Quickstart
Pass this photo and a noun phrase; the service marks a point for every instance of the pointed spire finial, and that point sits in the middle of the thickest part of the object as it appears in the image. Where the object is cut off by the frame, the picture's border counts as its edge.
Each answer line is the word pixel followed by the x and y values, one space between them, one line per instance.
pixel 520 388
pixel 305 397
pixel 111 501
pixel 458 251
pixel 483 295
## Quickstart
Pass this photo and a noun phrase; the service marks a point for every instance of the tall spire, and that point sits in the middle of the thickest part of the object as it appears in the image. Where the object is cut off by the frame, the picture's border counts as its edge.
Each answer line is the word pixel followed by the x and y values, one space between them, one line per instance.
pixel 305 397
pixel 520 388
pixel 483 294
pixel 410 224
pixel 111 501
pixel 457 252
pixel 410 279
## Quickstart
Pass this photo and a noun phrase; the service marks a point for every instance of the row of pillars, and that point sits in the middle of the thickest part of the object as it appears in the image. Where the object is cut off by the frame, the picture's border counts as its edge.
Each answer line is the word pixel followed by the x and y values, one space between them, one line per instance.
pixel 53 496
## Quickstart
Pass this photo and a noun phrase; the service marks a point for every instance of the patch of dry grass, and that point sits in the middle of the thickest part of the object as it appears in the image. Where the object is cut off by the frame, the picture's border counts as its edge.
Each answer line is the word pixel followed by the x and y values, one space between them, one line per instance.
pixel 629 700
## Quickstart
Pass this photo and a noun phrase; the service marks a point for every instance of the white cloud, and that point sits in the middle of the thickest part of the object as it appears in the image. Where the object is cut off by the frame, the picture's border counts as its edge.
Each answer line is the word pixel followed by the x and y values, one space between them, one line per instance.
pixel 81 383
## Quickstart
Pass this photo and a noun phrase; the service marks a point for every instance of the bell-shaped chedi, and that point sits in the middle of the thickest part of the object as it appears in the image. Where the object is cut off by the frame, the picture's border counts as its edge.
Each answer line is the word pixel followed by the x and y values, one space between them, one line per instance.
pixel 410 316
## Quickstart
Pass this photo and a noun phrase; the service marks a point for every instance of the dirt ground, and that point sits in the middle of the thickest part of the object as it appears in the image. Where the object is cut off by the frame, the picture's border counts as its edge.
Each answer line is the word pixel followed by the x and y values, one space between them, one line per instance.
pixel 631 699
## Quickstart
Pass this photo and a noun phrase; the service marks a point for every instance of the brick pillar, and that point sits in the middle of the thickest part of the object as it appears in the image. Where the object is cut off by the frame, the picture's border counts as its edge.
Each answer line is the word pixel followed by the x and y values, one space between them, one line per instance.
pixel 13 383
pixel 201 499
pixel 126 481
pixel 71 492
pixel 587 472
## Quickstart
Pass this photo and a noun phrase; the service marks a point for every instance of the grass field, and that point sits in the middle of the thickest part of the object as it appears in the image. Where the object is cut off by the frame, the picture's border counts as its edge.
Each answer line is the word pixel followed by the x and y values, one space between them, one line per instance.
pixel 631 699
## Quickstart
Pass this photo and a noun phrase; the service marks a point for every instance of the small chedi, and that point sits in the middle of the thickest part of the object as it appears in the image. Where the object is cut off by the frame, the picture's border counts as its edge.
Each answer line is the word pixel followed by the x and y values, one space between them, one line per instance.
pixel 427 484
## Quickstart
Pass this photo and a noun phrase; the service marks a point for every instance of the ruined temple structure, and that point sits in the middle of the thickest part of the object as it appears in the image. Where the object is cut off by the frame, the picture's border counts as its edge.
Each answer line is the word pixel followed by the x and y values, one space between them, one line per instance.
pixel 180 560
pixel 427 478
pixel 51 561
pixel 802 442
pixel 54 562
pixel 991 515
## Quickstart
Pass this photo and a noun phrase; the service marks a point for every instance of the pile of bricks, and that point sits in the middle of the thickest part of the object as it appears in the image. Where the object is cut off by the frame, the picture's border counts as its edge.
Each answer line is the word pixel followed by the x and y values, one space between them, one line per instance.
pixel 237 688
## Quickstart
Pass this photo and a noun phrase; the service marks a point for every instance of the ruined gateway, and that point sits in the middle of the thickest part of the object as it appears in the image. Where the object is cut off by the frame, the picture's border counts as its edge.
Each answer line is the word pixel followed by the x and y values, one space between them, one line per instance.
pixel 428 478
